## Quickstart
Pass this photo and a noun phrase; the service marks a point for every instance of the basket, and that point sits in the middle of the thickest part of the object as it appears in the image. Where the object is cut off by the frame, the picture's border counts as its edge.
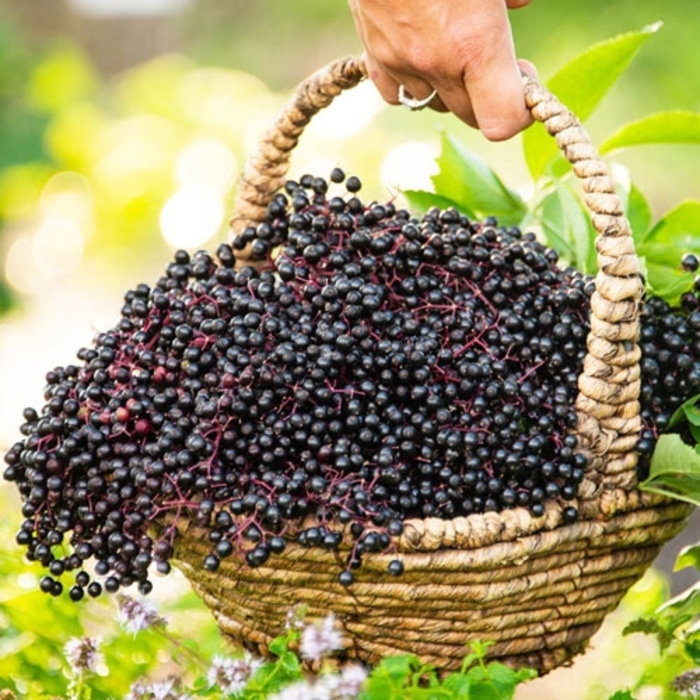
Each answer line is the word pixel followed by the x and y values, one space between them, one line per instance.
pixel 537 587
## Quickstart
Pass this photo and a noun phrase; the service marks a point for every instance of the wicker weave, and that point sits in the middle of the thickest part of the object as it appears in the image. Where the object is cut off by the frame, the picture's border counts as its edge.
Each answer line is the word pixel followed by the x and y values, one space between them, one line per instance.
pixel 535 586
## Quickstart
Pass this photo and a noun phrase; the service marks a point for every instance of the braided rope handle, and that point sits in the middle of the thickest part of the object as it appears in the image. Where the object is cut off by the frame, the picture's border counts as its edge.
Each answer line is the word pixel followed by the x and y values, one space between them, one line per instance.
pixel 607 405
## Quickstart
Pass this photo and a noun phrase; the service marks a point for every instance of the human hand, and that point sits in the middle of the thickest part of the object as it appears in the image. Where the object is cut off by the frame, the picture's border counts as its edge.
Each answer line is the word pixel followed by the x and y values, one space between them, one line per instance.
pixel 463 49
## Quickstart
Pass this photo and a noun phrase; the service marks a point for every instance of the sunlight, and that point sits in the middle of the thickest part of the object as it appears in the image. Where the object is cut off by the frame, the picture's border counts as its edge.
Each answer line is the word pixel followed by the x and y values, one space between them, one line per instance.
pixel 207 161
pixel 57 247
pixel 410 165
pixel 112 8
pixel 191 216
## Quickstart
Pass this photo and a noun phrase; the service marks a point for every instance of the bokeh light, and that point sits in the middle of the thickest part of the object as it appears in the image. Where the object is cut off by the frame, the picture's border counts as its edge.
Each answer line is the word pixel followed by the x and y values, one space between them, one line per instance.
pixel 191 216
pixel 67 195
pixel 410 165
pixel 57 247
pixel 20 272
pixel 348 114
pixel 113 8
pixel 207 161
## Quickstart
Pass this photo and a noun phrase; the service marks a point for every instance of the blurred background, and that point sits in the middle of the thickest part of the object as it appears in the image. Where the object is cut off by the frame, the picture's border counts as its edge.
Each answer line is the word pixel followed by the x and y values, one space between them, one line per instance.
pixel 124 124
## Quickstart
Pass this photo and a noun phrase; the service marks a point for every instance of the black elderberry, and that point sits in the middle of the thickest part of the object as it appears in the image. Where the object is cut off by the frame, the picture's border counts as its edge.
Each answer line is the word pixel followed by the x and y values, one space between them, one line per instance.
pixel 346 578
pixel 362 380
pixel 395 567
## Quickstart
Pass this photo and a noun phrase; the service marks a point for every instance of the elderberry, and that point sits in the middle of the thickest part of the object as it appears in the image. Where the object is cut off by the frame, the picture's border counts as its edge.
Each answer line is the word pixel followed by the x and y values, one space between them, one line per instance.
pixel 386 367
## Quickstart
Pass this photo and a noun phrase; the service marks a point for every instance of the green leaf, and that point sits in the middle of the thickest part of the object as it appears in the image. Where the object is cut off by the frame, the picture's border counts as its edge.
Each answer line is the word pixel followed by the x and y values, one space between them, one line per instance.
pixel 662 127
pixel 682 608
pixel 581 84
pixel 279 645
pixel 688 557
pixel 663 278
pixel 567 227
pixel 638 213
pixel 650 626
pixel 458 684
pixel 421 201
pixel 391 674
pixel 622 695
pixel 674 470
pixel 679 227
pixel 289 661
pixel 684 411
pixel 692 648
pixel 467 180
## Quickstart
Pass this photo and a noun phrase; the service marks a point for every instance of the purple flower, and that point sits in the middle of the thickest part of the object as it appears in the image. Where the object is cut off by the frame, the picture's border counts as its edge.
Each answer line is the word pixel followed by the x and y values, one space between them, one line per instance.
pixel 83 654
pixel 348 684
pixel 168 689
pixel 688 683
pixel 135 615
pixel 344 686
pixel 320 639
pixel 299 691
pixel 232 675
pixel 295 618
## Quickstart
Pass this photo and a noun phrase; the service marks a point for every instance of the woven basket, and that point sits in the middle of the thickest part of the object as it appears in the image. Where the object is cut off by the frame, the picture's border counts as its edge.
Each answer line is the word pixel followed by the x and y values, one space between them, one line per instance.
pixel 535 586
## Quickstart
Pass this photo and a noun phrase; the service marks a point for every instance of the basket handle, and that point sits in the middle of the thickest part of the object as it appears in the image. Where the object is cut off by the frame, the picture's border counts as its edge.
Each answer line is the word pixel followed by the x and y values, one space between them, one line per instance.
pixel 609 387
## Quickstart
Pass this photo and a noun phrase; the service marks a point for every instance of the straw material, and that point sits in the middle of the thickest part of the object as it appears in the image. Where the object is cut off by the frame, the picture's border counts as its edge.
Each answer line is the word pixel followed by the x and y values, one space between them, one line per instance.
pixel 535 586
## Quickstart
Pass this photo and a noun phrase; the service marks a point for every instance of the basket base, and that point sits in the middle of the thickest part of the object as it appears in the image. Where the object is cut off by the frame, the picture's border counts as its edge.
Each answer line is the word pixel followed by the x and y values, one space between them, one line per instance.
pixel 539 599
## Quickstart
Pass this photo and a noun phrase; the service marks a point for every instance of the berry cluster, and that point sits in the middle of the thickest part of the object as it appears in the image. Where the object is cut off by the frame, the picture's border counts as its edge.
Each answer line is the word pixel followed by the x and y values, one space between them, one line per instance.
pixel 384 367
pixel 670 365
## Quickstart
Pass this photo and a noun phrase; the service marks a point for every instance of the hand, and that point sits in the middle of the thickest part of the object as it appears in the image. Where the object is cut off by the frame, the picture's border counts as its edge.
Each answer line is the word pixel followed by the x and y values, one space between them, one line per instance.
pixel 461 48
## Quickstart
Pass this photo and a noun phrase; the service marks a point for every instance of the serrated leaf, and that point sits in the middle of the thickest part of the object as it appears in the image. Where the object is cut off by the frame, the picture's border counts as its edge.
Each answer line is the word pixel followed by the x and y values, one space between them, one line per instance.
pixel 662 127
pixel 649 626
pixel 688 557
pixel 468 181
pixel 674 470
pixel 581 84
pixel 421 201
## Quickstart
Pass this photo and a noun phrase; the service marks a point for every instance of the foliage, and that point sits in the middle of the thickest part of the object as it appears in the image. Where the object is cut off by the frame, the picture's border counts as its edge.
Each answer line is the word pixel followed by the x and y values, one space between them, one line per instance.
pixel 556 208
pixel 35 628
pixel 676 626
pixel 675 463
pixel 48 652
pixel 560 213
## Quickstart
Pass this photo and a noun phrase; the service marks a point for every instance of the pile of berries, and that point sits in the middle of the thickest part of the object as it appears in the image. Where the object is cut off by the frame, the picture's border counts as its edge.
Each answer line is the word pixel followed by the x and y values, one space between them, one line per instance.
pixel 384 367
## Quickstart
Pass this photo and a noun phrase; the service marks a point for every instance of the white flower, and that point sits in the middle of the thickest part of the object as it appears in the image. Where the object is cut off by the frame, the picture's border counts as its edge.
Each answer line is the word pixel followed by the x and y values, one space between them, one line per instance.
pixel 319 640
pixel 295 618
pixel 83 654
pixel 349 683
pixel 136 615
pixel 162 690
pixel 232 675
pixel 302 690
pixel 344 686
pixel 138 691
